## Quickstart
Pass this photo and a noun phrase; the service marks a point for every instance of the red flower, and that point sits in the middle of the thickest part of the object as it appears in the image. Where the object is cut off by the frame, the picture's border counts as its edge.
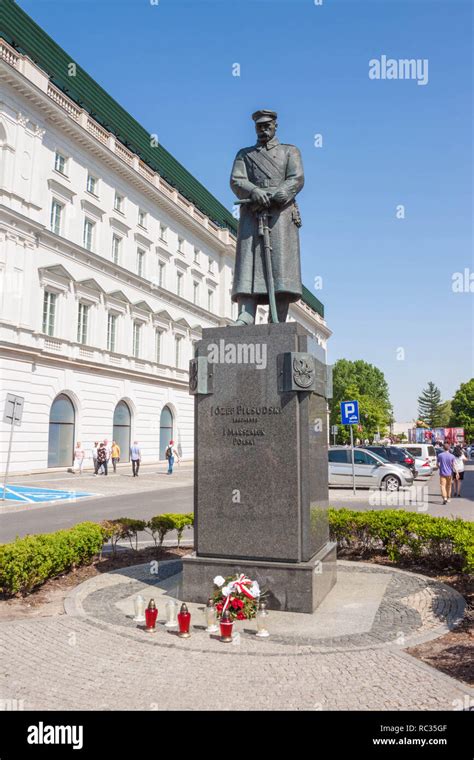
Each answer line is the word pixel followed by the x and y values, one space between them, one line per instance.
pixel 219 607
pixel 236 604
pixel 241 616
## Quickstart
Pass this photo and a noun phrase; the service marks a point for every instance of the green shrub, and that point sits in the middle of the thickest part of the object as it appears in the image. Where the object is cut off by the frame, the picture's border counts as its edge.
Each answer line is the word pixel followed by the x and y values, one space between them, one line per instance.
pixel 159 526
pixel 181 522
pixel 30 561
pixel 124 527
pixel 439 541
pixel 162 524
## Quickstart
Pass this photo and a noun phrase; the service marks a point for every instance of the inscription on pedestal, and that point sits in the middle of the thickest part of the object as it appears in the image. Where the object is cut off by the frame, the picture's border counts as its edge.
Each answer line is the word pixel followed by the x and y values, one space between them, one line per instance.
pixel 244 425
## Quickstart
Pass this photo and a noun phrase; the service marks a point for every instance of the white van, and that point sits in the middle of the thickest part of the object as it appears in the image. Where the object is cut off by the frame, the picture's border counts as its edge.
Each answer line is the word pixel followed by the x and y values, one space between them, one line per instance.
pixel 423 451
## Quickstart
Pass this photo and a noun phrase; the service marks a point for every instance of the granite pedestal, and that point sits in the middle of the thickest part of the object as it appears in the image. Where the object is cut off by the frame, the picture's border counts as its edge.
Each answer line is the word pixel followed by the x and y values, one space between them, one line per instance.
pixel 261 467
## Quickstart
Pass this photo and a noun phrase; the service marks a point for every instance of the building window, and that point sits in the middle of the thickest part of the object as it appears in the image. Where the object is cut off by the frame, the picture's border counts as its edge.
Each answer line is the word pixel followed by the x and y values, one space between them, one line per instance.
pixel 61 432
pixel 211 266
pixel 91 184
pixel 82 318
pixel 141 218
pixel 56 215
pixel 136 339
pixel 111 331
pixel 118 203
pixel 140 262
pixel 121 429
pixel 179 283
pixel 163 232
pixel 49 312
pixel 88 236
pixel 196 255
pixel 196 293
pixel 60 163
pixel 177 350
pixel 158 346
pixel 210 300
pixel 116 244
pixel 161 274
pixel 166 430
pixel 181 245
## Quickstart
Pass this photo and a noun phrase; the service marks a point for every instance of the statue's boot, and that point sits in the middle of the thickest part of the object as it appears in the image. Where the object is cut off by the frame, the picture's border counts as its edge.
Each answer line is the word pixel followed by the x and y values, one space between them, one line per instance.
pixel 244 319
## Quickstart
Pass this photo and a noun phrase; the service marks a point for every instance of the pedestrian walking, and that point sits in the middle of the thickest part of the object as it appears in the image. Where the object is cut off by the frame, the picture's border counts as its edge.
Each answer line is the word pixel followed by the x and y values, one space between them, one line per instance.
pixel 115 454
pixel 79 455
pixel 446 468
pixel 170 455
pixel 458 476
pixel 94 456
pixel 135 456
pixel 102 458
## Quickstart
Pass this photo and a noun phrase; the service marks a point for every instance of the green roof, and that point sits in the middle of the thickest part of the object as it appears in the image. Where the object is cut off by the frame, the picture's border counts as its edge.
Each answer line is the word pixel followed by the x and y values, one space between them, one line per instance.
pixel 22 33
pixel 313 302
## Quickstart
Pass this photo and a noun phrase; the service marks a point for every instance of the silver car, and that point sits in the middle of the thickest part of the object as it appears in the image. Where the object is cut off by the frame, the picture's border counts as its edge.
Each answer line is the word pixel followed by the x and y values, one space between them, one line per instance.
pixel 370 470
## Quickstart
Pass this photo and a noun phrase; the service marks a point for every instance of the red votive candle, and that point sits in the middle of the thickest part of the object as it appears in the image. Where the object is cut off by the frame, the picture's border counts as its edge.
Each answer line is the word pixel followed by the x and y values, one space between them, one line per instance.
pixel 226 626
pixel 184 621
pixel 151 613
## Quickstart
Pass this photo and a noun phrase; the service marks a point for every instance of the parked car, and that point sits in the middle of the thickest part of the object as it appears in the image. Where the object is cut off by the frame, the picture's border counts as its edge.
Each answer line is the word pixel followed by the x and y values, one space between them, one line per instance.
pixel 424 450
pixel 371 471
pixel 396 455
pixel 423 467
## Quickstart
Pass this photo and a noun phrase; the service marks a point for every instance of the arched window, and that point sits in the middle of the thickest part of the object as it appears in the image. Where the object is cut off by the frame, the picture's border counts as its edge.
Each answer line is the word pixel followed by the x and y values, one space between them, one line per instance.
pixel 122 429
pixel 166 430
pixel 61 432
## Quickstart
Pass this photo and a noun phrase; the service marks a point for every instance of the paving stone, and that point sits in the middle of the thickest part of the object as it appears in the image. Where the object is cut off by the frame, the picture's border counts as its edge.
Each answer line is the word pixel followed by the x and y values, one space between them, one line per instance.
pixel 95 658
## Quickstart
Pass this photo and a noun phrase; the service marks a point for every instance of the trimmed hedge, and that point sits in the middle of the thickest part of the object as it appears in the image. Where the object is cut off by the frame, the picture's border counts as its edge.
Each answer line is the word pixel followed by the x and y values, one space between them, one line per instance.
pixel 30 561
pixel 405 535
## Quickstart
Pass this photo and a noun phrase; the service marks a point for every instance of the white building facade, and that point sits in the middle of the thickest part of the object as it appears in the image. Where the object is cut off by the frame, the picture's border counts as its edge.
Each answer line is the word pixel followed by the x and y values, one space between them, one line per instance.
pixel 107 276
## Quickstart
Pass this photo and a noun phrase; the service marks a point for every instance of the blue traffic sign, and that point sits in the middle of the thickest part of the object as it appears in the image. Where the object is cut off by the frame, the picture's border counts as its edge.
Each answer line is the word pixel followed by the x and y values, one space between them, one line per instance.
pixel 350 412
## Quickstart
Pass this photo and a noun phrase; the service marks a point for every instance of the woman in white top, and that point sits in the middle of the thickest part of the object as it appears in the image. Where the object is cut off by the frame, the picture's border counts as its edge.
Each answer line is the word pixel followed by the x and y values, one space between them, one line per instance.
pixel 79 455
pixel 458 467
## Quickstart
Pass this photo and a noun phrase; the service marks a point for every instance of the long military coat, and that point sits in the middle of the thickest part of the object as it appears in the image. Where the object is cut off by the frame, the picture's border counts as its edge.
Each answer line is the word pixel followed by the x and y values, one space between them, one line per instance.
pixel 279 168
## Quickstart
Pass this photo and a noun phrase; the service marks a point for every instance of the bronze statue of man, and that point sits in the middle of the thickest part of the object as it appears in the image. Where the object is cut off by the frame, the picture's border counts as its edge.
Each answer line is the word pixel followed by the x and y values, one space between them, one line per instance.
pixel 266 178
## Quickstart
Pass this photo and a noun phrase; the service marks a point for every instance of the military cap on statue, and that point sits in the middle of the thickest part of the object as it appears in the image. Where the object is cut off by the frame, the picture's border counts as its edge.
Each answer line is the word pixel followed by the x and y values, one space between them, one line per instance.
pixel 264 115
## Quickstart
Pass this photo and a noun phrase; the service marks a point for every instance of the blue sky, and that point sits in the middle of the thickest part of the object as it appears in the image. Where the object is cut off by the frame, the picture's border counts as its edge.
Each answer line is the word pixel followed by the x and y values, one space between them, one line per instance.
pixel 387 282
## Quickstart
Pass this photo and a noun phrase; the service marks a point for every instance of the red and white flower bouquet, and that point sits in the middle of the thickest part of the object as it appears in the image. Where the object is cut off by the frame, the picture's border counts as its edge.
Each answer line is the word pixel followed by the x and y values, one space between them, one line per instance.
pixel 237 594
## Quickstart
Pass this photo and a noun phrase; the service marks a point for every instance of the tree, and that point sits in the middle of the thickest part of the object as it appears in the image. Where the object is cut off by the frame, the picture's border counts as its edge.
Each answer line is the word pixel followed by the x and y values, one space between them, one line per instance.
pixel 362 382
pixel 446 413
pixel 463 408
pixel 430 406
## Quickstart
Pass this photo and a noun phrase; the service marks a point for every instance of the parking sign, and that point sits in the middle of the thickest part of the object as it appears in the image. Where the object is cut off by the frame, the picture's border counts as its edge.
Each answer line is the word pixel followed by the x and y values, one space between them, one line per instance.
pixel 350 412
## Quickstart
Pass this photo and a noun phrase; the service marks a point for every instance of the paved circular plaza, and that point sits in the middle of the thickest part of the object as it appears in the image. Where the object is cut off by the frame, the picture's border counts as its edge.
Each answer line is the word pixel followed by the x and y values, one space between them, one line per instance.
pixel 348 655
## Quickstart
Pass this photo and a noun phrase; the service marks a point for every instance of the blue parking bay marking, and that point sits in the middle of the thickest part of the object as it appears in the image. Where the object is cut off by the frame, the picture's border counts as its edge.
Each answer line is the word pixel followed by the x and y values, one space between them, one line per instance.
pixel 37 495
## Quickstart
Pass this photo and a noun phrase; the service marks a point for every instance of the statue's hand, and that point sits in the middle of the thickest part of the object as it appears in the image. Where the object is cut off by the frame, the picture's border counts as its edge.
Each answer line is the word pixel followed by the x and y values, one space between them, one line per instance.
pixel 261 197
pixel 281 197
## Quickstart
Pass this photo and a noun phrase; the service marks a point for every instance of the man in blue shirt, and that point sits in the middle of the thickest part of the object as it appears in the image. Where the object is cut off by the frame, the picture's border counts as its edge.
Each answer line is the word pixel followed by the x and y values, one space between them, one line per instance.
pixel 135 456
pixel 446 468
